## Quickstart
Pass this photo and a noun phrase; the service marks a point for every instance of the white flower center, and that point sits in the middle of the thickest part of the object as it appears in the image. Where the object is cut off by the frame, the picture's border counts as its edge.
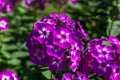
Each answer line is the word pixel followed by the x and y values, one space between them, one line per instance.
pixel 63 36
pixel 44 33
pixel 3 24
pixel 5 77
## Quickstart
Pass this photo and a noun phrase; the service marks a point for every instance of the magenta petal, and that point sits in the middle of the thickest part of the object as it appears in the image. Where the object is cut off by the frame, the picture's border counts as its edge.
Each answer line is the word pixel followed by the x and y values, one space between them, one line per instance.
pixel 4 24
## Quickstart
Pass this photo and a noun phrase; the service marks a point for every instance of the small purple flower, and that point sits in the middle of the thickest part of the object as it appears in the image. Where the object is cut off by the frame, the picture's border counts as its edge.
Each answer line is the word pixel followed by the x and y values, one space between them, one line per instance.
pixel 56 64
pixel 74 65
pixel 96 41
pixel 7 5
pixel 102 69
pixel 54 50
pixel 75 50
pixel 8 75
pixel 68 76
pixel 38 55
pixel 62 37
pixel 82 76
pixel 42 32
pixel 115 75
pixel 2 4
pixel 29 3
pixel 31 42
pixel 10 5
pixel 103 53
pixel 4 24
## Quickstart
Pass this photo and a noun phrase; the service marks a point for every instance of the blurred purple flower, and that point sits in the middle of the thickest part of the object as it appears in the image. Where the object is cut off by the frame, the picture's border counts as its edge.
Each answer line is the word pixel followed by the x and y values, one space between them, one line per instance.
pixel 68 76
pixel 103 53
pixel 4 24
pixel 115 43
pixel 82 76
pixel 7 6
pixel 42 32
pixel 54 50
pixel 63 37
pixel 115 75
pixel 56 64
pixel 8 75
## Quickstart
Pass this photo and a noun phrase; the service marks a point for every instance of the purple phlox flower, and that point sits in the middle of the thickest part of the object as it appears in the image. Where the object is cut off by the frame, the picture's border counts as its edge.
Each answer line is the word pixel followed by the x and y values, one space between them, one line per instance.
pixel 68 22
pixel 4 24
pixel 75 50
pixel 56 64
pixel 31 42
pixel 96 41
pixel 74 65
pixel 10 5
pixel 42 32
pixel 54 50
pixel 115 43
pixel 103 53
pixel 82 76
pixel 29 3
pixel 68 76
pixel 82 31
pixel 54 15
pixel 2 5
pixel 38 55
pixel 50 21
pixel 75 56
pixel 115 75
pixel 7 6
pixel 63 20
pixel 8 75
pixel 63 37
pixel 102 69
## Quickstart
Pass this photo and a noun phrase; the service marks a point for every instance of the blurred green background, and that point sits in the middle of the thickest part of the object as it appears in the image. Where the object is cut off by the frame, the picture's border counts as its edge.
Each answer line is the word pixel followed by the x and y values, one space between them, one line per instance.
pixel 100 18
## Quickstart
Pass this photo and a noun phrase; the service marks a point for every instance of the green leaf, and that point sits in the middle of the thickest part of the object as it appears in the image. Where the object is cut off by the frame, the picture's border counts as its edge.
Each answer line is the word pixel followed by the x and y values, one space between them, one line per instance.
pixel 48 74
pixel 6 54
pixel 20 54
pixel 115 30
pixel 14 61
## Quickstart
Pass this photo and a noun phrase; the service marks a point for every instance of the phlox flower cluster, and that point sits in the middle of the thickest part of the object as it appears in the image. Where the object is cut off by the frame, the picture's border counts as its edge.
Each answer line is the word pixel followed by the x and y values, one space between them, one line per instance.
pixel 103 58
pixel 8 75
pixel 6 6
pixel 56 41
pixel 69 76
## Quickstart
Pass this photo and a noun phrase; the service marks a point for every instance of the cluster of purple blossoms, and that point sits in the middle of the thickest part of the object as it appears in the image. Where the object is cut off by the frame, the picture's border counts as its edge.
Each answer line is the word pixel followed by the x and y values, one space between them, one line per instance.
pixel 8 75
pixel 69 76
pixel 38 3
pixel 6 6
pixel 56 41
pixel 102 57
pixel 4 24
